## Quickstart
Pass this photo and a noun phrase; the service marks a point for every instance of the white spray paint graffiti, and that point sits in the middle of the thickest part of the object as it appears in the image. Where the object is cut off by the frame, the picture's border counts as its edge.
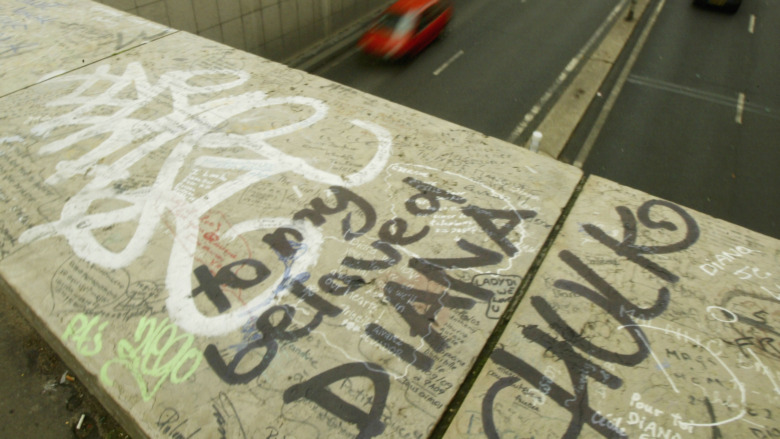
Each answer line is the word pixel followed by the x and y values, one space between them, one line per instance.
pixel 189 125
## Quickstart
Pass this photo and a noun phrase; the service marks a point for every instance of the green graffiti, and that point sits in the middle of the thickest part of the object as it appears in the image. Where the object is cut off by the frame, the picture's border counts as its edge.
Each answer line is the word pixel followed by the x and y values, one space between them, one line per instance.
pixel 79 330
pixel 157 354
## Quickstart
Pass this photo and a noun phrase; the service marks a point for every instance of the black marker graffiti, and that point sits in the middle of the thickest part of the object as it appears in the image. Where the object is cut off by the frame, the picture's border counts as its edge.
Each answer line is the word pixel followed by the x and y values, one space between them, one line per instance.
pixel 418 308
pixel 315 390
pixel 169 425
pixel 270 335
pixel 600 293
pixel 212 285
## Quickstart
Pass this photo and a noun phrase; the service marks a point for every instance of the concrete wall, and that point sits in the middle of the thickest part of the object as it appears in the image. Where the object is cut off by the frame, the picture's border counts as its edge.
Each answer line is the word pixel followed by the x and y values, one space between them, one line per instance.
pixel 275 29
pixel 219 245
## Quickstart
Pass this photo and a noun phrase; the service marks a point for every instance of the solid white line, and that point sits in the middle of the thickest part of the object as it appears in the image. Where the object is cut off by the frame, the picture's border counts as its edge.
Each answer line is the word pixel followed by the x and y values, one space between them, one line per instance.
pixel 326 68
pixel 682 90
pixel 752 25
pixel 447 64
pixel 529 117
pixel 740 108
pixel 610 102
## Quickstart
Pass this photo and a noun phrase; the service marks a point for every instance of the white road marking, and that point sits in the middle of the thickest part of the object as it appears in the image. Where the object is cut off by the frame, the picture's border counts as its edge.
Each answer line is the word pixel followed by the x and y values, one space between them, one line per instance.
pixel 529 117
pixel 610 102
pixel 740 108
pixel 714 98
pixel 690 92
pixel 326 68
pixel 447 64
pixel 752 25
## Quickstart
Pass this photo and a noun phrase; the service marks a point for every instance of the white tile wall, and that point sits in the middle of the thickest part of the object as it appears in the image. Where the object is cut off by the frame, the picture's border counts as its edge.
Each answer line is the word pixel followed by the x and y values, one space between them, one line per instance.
pixel 214 33
pixel 228 10
pixel 253 33
pixel 233 33
pixel 275 29
pixel 206 14
pixel 181 15
pixel 155 11
pixel 272 29
pixel 289 16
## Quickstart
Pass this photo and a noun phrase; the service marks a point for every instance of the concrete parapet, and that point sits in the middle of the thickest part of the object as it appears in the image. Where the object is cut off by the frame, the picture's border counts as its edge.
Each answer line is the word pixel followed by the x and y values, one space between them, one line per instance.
pixel 40 39
pixel 646 320
pixel 222 246
pixel 226 247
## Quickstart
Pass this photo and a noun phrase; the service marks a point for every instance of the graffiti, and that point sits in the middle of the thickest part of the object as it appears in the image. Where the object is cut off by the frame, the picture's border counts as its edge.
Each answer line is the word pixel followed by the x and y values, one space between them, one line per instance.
pixel 177 119
pixel 722 260
pixel 14 19
pixel 228 422
pixel 315 390
pixel 194 124
pixel 503 287
pixel 160 354
pixel 270 334
pixel 87 333
pixel 297 239
pixel 403 298
pixel 169 425
pixel 80 286
pixel 16 48
pixel 189 125
pixel 227 425
pixel 773 291
pixel 157 353
pixel 599 292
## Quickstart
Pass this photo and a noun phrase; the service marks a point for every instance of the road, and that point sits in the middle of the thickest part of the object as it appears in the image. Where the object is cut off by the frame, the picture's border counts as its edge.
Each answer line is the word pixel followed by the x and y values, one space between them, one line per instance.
pixel 697 121
pixel 493 66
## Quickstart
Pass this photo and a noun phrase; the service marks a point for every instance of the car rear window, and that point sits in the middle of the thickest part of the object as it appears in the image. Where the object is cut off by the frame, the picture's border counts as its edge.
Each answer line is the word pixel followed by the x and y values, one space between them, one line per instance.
pixel 397 24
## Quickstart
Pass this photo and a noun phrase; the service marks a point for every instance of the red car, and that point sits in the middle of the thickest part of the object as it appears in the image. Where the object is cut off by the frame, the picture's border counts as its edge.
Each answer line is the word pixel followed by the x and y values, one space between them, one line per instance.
pixel 406 28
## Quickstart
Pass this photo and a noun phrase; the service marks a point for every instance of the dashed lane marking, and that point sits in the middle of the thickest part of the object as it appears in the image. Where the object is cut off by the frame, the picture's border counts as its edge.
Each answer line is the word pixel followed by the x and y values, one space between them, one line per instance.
pixel 573 63
pixel 740 108
pixel 447 64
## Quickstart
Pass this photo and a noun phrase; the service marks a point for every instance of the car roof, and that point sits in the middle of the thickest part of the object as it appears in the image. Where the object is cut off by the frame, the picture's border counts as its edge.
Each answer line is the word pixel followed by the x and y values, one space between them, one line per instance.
pixel 402 6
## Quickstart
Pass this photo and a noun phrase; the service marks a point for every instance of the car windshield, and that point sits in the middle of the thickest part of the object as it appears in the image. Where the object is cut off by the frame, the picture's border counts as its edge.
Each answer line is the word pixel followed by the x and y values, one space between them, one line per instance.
pixel 398 24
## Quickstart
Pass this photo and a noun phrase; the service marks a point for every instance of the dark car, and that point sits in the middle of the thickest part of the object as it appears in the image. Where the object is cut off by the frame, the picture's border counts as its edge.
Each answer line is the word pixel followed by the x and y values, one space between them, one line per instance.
pixel 728 5
pixel 406 28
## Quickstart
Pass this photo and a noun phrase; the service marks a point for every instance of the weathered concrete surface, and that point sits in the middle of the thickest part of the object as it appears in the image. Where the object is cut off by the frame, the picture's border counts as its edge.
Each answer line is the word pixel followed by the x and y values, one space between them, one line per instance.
pixel 223 246
pixel 646 320
pixel 43 38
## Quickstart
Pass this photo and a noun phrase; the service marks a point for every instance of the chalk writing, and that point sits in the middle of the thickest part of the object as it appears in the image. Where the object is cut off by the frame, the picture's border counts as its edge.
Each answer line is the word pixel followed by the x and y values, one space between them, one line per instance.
pixel 79 330
pixel 158 353
pixel 190 125
pixel 722 260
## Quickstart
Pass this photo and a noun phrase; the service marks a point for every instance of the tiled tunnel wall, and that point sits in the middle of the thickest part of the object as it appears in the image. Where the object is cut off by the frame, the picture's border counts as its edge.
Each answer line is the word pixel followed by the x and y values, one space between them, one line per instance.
pixel 274 29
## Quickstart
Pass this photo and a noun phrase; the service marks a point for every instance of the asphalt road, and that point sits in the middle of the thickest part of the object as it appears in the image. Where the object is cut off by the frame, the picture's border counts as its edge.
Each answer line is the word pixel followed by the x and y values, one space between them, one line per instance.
pixel 494 64
pixel 698 119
